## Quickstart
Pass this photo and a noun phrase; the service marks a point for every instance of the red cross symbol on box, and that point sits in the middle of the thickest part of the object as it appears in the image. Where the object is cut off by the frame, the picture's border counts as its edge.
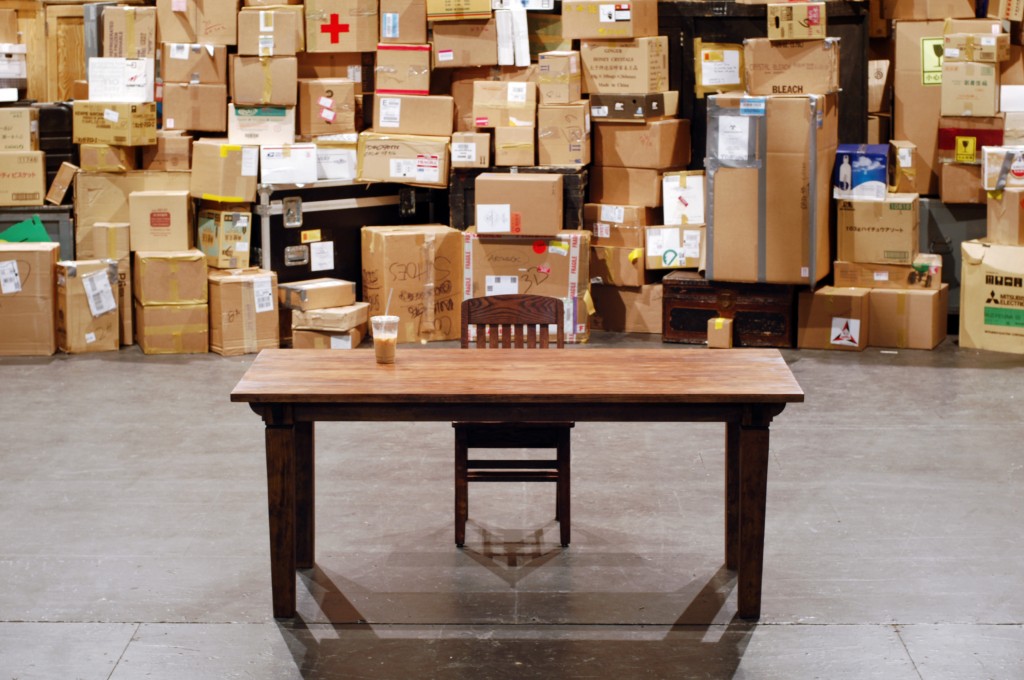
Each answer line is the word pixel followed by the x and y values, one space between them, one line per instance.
pixel 334 28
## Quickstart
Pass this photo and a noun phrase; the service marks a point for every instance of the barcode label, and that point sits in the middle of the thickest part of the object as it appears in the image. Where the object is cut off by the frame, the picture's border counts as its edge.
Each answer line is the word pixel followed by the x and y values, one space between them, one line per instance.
pixel 99 293
pixel 10 281
pixel 263 294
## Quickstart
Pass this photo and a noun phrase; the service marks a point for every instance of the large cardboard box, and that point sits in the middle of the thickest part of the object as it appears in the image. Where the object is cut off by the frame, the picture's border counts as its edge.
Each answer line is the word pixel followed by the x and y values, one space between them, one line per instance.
pixel 452 10
pixel 224 234
pixel 170 278
pixel 657 144
pixel 200 107
pixel 117 123
pixel 110 240
pixel 1006 217
pixel 129 32
pixel 458 44
pixel 258 81
pixel 961 138
pixel 983 47
pixel 243 311
pixel 625 66
pixel 19 129
pixel 798 67
pixel 403 69
pixel 683 196
pixel 885 231
pixel 969 89
pixel 628 310
pixel 334 65
pixel 515 203
pixel 796 21
pixel 327 106
pixel 192 63
pixel 924 274
pixel 261 124
pixel 316 293
pixel 332 26
pixel 172 329
pixel 563 134
pixel 414 115
pixel 617 225
pixel 561 77
pixel 625 186
pixel 674 246
pixel 768 214
pixel 160 220
pixel 172 151
pixel 332 319
pixel 405 159
pixel 504 104
pixel 927 9
pixel 87 304
pixel 992 297
pixel 208 22
pixel 908 319
pixel 596 19
pixel 515 146
pixel 418 268
pixel 106 158
pixel 266 32
pixel 834 318
pixel 617 266
pixel 22 178
pixel 103 197
pixel 403 21
pixel 28 306
pixel 222 172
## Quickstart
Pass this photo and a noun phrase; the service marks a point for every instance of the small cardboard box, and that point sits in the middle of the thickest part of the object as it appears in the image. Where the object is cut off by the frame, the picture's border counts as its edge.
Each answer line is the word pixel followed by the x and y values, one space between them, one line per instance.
pixel 616 266
pixel 981 47
pixel 861 172
pixel 657 144
pixel 902 171
pixel 22 178
pixel 170 278
pixel 563 134
pixel 288 164
pixel 209 22
pixel 471 150
pixel 224 234
pixel 200 107
pixel 673 247
pixel 28 305
pixel 523 204
pixel 106 158
pixel 403 69
pixel 129 32
pixel 19 129
pixel 62 181
pixel 683 197
pixel 1002 167
pixel 317 294
pixel 719 68
pixel 1006 217
pixel 351 27
pixel 633 108
pixel 192 63
pixel 617 225
pixel 117 79
pixel 885 232
pixel 969 89
pixel 332 319
pixel 327 106
pixel 596 19
pixel 515 146
pixel 172 151
pixel 268 32
pixel 243 311
pixel 908 319
pixel 719 333
pixel 260 81
pixel 797 67
pixel 834 318
pixel 414 115
pixel 110 240
pixel 160 220
pixel 924 274
pixel 796 21
pixel 261 125
pixel 451 10
pixel 405 159
pixel 560 77
pixel 116 123
pixel 403 21
pixel 504 104
pixel 222 172
pixel 458 44
pixel 309 339
pixel 992 297
pixel 628 310
pixel 961 184
pixel 637 66
pixel 87 316
pixel 172 329
pixel 628 186
pixel 961 138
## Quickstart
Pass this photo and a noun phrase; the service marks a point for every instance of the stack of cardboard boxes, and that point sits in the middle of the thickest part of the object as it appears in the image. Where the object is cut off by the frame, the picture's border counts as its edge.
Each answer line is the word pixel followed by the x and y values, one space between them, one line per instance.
pixel 322 314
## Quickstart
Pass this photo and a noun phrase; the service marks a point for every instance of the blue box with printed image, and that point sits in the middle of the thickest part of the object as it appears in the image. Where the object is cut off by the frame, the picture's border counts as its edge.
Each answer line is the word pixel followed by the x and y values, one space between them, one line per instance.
pixel 861 171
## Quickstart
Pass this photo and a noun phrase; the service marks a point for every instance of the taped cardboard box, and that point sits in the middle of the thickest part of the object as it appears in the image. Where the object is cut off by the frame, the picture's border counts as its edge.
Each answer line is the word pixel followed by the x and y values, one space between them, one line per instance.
pixel 193 63
pixel 458 44
pixel 259 81
pixel 471 150
pixel 1005 221
pixel 160 220
pixel 1002 167
pixel 515 146
pixel 683 197
pixel 563 134
pixel 674 247
pixel 961 138
pixel 861 171
pixel 627 310
pixel 992 297
pixel 617 225
pixel 902 172
pixel 243 311
pixel 797 21
pixel 924 274
pixel 116 123
pixel 22 178
pixel 403 21
pixel 718 67
pixel 625 66
pixel 418 160
pixel 352 27
pixel 199 107
pixel 560 78
pixel 224 233
pixel 129 32
pixel 309 339
pixel 981 47
pixel 62 181
pixel 209 22
pixel 961 184
pixel 908 319
pixel 504 104
pixel 834 318
pixel 172 151
pixel 170 278
pixel 317 293
pixel 103 197
pixel 414 115
pixel 421 265
pixel 596 19
pixel 463 85
pixel 288 164
pixel 628 186
pixel 616 266
pixel 336 65
pixel 261 125
pixel 87 306
pixel 793 68
pixel 515 203
pixel 172 329
pixel 927 9
pixel 223 172
pixel 106 158
pixel 969 89
pixel 879 231
pixel 118 79
pixel 268 32
pixel 110 240
pixel 403 69
pixel 633 108
pixel 332 319
pixel 28 304
pixel 657 144
pixel 19 129
pixel 454 10
pixel 327 106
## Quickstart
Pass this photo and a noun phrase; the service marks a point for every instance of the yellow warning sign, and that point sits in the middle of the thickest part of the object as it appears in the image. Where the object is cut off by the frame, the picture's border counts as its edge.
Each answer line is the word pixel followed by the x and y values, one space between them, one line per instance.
pixel 932 51
pixel 310 236
pixel 966 150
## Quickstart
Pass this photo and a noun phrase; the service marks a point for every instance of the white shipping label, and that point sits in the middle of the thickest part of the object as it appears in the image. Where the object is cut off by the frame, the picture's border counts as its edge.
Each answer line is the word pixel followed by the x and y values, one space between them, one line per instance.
pixel 501 285
pixel 683 204
pixel 613 213
pixel 266 21
pixel 428 168
pixel 389 25
pixel 403 168
pixel 265 46
pixel 355 74
pixel 845 332
pixel 99 293
pixel 733 138
pixel 90 338
pixel 602 230
pixel 250 161
pixel 517 93
pixel 445 55
pixel 263 294
pixel 341 342
pixel 622 12
pixel 905 157
pixel 242 247
pixel 321 256
pixel 10 281
pixel 691 244
pixel 463 152
pixel 178 51
pixel 494 218
pixel 325 102
pixel 599 111
pixel 880 276
pixel 328 115
pixel 606 13
pixel 390 111
pixel 720 67
pixel 660 240
pixel 111 116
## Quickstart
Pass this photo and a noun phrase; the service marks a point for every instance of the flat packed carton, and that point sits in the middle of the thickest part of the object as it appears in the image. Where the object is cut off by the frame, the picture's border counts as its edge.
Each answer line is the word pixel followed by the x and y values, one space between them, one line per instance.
pixel 800 67
pixel 924 274
pixel 615 266
pixel 861 171
pixel 658 144
pixel 683 197
pixel 405 159
pixel 563 134
pixel 628 310
pixel 193 63
pixel 172 151
pixel 629 186
pixel 243 311
pixel 106 158
pixel 332 319
pixel 403 21
pixel 885 231
pixel 257 81
pixel 908 319
pixel 834 318
pixel 87 306
pixel 129 32
pixel 504 104
pixel 524 204
pixel 413 115
pixel 617 225
pixel 403 69
pixel 103 196
pixel 560 79
pixel 160 220
pixel 625 66
pixel 633 108
pixel 596 19
pixel 22 178
pixel 223 172
pixel 327 106
pixel 969 89
pixel 796 21
pixel 418 267
pixel 1006 217
pixel 673 247
pixel 28 305
pixel 992 297
pixel 170 278
pixel 224 233
pixel 471 150
pixel 452 10
pixel 120 124
pixel 268 32
pixel 317 293
pixel 348 27
pixel 172 329
pixel 19 129
pixel 261 124
pixel 309 339
pixel 458 44
pixel 514 146
pixel 200 107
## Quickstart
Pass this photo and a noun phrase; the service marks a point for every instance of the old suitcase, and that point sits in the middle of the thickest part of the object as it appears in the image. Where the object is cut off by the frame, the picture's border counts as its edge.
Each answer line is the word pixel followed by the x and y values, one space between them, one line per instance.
pixel 764 315
pixel 55 122
pixel 462 193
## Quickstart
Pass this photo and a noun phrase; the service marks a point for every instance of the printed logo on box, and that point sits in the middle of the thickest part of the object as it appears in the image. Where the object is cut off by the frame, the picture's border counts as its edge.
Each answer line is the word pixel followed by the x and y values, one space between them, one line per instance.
pixel 160 219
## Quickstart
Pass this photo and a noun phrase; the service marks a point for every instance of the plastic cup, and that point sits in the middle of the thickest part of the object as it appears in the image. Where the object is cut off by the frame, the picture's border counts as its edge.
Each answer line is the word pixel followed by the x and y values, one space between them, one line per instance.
pixel 385 338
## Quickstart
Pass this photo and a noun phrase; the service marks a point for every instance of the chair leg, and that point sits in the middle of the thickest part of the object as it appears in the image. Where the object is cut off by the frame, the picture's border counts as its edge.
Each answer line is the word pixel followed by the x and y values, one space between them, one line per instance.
pixel 562 503
pixel 461 488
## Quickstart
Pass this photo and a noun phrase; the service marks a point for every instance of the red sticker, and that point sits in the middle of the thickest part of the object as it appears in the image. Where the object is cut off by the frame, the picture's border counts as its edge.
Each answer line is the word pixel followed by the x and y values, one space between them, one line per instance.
pixel 160 218
pixel 517 222
pixel 544 269
pixel 540 247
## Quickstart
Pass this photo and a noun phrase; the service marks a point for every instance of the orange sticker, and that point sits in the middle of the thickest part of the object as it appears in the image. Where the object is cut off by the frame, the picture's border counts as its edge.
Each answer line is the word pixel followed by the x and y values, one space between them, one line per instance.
pixel 517 222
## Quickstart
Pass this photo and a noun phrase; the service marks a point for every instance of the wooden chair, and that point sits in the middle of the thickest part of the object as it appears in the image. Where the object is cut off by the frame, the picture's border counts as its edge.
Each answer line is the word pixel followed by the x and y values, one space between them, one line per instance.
pixel 512 321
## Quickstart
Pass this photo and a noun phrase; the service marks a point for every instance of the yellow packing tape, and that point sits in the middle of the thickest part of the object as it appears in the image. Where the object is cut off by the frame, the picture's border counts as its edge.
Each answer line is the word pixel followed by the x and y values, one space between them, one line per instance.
pixel 635 255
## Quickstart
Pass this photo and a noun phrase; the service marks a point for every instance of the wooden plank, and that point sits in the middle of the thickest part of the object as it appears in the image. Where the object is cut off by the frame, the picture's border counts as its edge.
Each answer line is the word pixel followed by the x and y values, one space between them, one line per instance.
pixel 65 50
pixel 32 27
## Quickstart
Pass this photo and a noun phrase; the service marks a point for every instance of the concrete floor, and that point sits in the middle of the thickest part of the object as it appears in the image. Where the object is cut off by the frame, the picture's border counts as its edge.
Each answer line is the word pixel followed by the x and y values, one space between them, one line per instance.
pixel 133 536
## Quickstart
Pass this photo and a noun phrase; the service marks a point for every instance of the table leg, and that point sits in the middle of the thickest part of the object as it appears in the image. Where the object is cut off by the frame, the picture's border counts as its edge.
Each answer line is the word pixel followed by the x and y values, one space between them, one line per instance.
pixel 753 487
pixel 732 495
pixel 281 447
pixel 305 493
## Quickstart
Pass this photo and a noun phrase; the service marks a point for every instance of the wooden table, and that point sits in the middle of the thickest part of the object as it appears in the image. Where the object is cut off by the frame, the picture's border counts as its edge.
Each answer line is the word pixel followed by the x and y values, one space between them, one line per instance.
pixel 292 389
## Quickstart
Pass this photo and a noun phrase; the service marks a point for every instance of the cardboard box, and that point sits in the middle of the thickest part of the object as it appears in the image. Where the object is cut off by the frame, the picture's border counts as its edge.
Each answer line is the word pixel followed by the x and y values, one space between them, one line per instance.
pixel 969 89
pixel 337 161
pixel 350 339
pixel 62 181
pixel 908 319
pixel 615 266
pixel 471 150
pixel 261 124
pixel 332 319
pixel 19 129
pixel 563 134
pixel 110 240
pixel 192 63
pixel 1001 167
pixel 106 158
pixel 414 115
pixel 961 138
pixel 595 19
pixel 403 21
pixel 8 26
pixel 504 104
pixel 117 79
pixel 924 274
pixel 800 67
pixel 523 204
pixel 719 69
pixel 288 164
pixel 633 108
pixel 334 65
pixel 902 170
pixel 28 292
pixel 119 124
pixel 160 220
pixel 406 159
pixel 657 144
pixel 625 66
pixel 316 293
pixel 762 208
pixel 879 86
pixel 22 178
pixel 258 81
pixel 352 27
pixel 796 21
pixel 197 107
pixel 879 231
pixel 560 78
pixel 103 197
pixel 224 234
pixel 421 265
pixel 403 69
pixel 209 22
pixel 719 333
pixel 683 197
pixel 243 311
pixel 170 278
pixel 463 82
pixel 992 297
pixel 834 318
pixel 222 172
pixel 453 10
pixel 961 184
pixel 617 225
pixel 87 316
pixel 268 32
pixel 861 171
pixel 129 32
pixel 981 47
pixel 515 146
pixel 458 44
pixel 172 329
pixel 673 247
pixel 172 151
pixel 627 310
pixel 1010 10
pixel 927 9
pixel 628 186
pixel 327 106
pixel 878 128
pixel 1006 217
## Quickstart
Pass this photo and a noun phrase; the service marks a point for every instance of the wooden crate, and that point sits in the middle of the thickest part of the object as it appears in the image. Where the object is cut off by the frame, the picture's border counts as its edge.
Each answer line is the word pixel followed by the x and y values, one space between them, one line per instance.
pixel 32 26
pixel 65 50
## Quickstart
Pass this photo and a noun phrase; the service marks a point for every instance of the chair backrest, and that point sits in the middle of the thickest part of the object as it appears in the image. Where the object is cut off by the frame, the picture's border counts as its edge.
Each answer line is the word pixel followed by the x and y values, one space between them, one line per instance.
pixel 507 321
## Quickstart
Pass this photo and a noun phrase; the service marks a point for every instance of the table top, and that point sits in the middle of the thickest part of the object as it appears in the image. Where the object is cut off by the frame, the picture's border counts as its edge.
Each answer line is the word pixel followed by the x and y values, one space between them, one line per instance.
pixel 566 376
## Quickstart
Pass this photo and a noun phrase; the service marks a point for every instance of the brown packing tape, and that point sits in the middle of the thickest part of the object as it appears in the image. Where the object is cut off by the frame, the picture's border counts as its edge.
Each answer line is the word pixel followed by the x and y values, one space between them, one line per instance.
pixel 427 325
pixel 194 104
pixel 249 339
pixel 268 89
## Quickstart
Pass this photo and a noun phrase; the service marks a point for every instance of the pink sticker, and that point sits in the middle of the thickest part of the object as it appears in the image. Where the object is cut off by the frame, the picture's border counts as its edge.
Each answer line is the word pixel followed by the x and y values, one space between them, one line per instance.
pixel 328 115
